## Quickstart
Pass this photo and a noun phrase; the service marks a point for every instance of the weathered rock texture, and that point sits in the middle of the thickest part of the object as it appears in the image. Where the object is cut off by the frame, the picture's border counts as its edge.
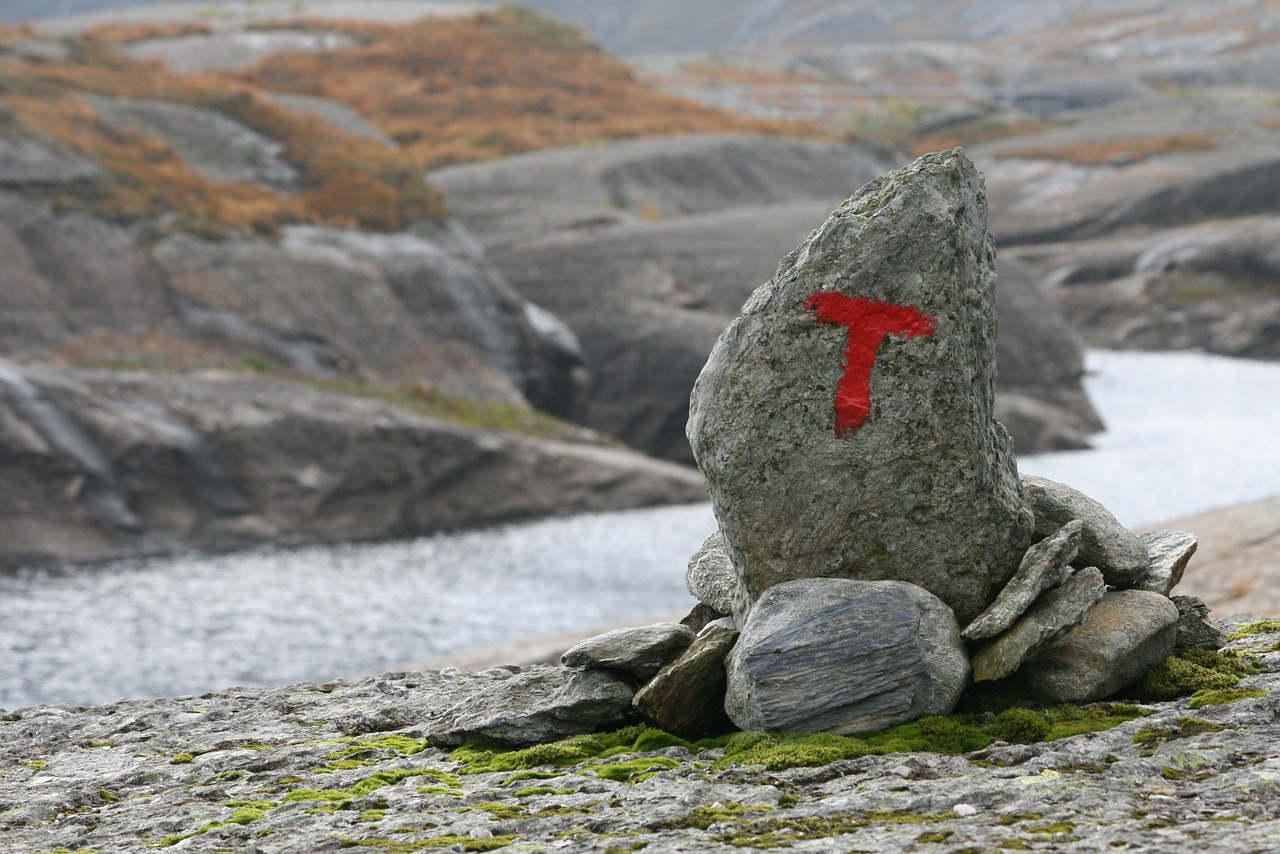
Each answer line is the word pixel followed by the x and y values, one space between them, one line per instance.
pixel 1123 636
pixel 105 778
pixel 1105 543
pixel 1058 610
pixel 648 248
pixel 926 489
pixel 105 463
pixel 835 655
pixel 641 651
pixel 1045 564
pixel 1170 551
pixel 537 706
pixel 710 576
pixel 687 696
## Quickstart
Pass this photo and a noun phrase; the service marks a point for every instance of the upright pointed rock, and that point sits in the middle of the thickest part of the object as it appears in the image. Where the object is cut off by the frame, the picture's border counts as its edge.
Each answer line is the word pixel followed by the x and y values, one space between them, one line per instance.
pixel 844 421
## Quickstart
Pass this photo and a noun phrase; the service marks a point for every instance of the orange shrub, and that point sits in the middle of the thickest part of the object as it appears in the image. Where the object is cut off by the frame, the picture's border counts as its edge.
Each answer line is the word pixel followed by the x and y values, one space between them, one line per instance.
pixel 347 180
pixel 457 89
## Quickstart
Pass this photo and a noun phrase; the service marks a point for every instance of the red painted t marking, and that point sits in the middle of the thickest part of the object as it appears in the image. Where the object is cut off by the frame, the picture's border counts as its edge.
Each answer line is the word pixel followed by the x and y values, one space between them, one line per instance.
pixel 869 324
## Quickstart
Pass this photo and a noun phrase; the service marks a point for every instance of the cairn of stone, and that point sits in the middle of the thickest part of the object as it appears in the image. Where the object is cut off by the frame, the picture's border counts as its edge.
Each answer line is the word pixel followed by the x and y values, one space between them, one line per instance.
pixel 877 551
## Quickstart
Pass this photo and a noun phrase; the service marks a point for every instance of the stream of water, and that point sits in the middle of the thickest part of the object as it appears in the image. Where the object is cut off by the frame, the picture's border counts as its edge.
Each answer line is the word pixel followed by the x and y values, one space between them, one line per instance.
pixel 1186 433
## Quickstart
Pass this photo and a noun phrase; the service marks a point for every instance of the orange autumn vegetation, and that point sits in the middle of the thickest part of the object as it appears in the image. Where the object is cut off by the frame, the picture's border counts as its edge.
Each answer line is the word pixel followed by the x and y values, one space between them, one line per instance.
pixel 125 33
pixel 448 90
pixel 1130 150
pixel 459 89
pixel 347 180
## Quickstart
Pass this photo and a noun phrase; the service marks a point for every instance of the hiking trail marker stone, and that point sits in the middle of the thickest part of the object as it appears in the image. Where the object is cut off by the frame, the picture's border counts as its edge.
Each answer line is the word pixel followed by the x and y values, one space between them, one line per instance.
pixel 844 422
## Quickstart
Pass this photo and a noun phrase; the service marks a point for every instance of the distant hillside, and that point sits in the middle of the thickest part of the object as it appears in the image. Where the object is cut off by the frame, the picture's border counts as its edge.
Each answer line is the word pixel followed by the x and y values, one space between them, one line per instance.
pixel 446 91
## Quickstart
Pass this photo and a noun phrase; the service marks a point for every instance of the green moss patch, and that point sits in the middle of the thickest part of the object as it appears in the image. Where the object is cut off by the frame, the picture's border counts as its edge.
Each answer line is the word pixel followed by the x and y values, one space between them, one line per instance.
pixel 952 735
pixel 398 846
pixel 1193 670
pixel 778 832
pixel 367 785
pixel 1185 728
pixel 1223 696
pixel 480 759
pixel 1260 627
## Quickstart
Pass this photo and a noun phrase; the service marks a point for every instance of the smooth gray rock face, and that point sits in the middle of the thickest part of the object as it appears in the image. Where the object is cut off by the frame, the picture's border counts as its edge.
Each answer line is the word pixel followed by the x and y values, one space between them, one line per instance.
pixel 1123 636
pixel 1105 543
pixel 710 576
pixel 1194 628
pixel 844 656
pixel 1170 552
pixel 1058 610
pixel 536 706
pixel 1045 564
pixel 925 489
pixel 640 651
pixel 687 696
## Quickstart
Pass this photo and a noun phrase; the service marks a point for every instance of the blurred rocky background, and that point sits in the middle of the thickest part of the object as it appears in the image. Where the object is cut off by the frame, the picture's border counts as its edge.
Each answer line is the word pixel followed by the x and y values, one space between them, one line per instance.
pixel 233 311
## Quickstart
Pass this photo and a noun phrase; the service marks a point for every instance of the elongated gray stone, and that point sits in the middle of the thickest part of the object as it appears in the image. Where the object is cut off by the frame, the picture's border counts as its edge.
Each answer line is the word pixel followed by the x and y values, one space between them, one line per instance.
pixel 845 420
pixel 536 706
pixel 709 575
pixel 1122 637
pixel 1105 543
pixel 1058 610
pixel 687 696
pixel 843 656
pixel 641 651
pixel 1045 564
pixel 1170 552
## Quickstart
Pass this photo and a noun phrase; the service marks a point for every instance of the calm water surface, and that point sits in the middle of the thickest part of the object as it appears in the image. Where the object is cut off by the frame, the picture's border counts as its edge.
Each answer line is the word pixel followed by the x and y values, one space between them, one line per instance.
pixel 1186 433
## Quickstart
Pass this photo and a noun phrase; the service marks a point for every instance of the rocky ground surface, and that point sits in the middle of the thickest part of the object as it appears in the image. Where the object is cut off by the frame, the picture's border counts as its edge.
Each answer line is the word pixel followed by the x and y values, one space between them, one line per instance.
pixel 323 767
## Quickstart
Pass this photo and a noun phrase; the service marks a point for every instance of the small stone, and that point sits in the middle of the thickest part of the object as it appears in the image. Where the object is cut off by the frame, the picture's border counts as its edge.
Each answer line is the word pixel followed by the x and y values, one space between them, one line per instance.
pixel 710 576
pixel 1058 610
pixel 686 698
pixel 1105 543
pixel 845 421
pixel 700 617
pixel 1123 636
pixel 1170 551
pixel 844 656
pixel 1194 628
pixel 1045 564
pixel 535 706
pixel 640 651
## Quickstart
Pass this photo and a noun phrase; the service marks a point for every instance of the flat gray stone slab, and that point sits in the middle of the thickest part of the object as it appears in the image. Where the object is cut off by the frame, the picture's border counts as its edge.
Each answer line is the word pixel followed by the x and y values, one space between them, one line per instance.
pixel 1170 552
pixel 1045 564
pixel 1058 610
pixel 641 651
